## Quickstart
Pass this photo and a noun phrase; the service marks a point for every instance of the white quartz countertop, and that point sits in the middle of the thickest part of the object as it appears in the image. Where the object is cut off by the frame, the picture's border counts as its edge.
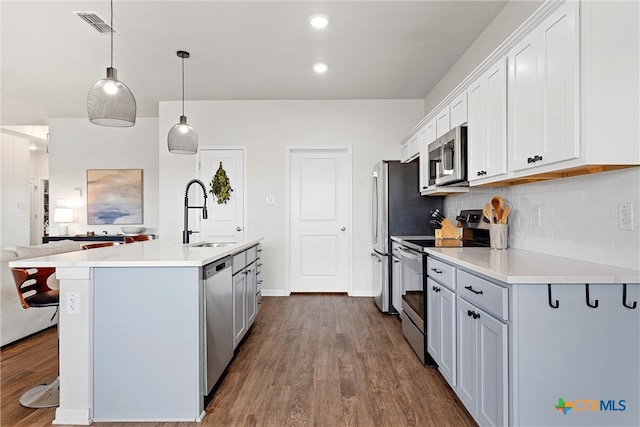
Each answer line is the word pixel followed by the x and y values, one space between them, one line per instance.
pixel 515 266
pixel 519 266
pixel 150 253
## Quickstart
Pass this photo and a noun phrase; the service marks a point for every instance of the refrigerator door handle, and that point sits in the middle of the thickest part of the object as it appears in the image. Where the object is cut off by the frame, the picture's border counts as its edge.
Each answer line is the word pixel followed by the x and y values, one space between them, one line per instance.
pixel 374 208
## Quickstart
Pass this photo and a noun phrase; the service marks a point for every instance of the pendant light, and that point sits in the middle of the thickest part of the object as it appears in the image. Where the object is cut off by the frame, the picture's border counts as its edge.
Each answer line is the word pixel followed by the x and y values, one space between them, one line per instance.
pixel 182 138
pixel 110 102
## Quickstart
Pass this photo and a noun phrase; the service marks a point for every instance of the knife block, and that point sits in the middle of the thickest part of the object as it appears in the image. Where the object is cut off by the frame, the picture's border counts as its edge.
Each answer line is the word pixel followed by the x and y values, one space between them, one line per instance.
pixel 448 230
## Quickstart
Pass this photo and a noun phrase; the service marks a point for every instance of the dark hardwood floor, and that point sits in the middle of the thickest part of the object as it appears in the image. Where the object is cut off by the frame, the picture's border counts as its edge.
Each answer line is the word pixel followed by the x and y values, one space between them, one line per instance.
pixel 309 360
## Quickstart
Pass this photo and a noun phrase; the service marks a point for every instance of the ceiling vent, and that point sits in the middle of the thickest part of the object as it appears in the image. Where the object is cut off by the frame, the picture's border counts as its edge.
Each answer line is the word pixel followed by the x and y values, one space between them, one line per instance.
pixel 96 22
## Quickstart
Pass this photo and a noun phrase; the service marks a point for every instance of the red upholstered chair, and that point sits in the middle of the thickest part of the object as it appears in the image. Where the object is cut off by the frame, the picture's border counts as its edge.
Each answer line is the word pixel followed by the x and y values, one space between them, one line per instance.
pixel 140 237
pixel 101 245
pixel 34 293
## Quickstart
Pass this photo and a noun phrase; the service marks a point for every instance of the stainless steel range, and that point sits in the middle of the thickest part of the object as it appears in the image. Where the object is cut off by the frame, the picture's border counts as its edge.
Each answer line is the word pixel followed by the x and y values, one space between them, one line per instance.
pixel 475 233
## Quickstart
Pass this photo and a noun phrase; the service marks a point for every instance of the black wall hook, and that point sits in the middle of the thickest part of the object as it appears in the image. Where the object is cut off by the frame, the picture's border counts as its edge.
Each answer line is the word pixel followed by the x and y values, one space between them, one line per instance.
pixel 624 298
pixel 595 303
pixel 552 304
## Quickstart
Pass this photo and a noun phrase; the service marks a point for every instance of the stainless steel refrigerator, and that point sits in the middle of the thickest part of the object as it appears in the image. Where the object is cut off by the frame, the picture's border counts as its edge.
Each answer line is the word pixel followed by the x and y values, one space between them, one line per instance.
pixel 397 209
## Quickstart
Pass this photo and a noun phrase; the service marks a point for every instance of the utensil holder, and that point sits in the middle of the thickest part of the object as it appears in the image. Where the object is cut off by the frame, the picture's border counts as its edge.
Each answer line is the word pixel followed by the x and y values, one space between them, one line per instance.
pixel 498 236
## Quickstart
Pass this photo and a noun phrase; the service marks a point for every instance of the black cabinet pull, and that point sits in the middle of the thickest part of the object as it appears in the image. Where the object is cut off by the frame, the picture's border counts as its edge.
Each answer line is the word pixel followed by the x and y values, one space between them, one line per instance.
pixel 473 314
pixel 469 313
pixel 470 288
pixel 435 270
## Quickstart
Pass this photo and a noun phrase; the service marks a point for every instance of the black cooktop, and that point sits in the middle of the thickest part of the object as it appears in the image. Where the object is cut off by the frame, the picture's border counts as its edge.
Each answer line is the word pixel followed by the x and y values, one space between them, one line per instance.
pixel 447 243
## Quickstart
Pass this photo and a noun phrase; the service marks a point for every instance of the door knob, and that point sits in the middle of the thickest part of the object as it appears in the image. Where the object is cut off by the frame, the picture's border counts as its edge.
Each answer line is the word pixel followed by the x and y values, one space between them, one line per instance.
pixel 238 229
pixel 343 228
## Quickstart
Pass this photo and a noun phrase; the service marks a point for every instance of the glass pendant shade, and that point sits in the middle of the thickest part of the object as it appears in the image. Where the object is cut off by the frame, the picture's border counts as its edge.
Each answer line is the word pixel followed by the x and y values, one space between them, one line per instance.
pixel 182 139
pixel 111 103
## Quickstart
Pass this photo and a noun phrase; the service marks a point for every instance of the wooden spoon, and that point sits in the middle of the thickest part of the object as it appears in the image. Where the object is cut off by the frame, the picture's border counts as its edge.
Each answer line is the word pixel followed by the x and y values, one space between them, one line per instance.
pixel 487 212
pixel 506 213
pixel 498 203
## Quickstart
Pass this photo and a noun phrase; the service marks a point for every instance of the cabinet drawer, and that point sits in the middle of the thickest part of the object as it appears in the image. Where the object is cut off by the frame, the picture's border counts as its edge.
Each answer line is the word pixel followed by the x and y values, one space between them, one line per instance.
pixel 252 254
pixel 441 272
pixel 484 294
pixel 239 261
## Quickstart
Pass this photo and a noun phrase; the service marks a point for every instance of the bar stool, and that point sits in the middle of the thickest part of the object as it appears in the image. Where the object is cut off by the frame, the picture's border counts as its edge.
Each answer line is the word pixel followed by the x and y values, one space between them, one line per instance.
pixel 34 293
pixel 103 244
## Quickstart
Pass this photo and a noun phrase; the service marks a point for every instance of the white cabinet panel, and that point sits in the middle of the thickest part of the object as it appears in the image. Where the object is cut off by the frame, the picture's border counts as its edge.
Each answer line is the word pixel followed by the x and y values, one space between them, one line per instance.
pixel 487 124
pixel 427 136
pixel 443 122
pixel 543 92
pixel 458 110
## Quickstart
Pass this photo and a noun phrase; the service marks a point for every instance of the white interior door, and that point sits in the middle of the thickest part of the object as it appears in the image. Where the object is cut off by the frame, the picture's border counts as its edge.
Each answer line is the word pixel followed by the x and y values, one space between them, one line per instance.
pixel 320 219
pixel 226 221
pixel 34 209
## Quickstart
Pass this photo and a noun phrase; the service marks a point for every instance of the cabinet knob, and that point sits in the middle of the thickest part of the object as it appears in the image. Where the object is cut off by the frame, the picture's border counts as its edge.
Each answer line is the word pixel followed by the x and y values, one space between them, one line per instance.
pixel 343 228
pixel 238 229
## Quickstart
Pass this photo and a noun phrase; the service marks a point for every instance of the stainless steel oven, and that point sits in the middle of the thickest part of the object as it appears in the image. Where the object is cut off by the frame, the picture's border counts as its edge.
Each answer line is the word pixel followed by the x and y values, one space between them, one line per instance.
pixel 475 233
pixel 413 315
pixel 448 158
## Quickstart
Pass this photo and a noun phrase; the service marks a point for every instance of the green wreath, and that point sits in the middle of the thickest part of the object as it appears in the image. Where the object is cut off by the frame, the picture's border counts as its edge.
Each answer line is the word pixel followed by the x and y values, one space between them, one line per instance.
pixel 221 186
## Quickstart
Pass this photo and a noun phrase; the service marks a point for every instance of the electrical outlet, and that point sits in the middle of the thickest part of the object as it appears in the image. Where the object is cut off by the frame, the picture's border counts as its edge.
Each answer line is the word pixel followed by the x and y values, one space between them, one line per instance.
pixel 625 216
pixel 73 303
pixel 535 216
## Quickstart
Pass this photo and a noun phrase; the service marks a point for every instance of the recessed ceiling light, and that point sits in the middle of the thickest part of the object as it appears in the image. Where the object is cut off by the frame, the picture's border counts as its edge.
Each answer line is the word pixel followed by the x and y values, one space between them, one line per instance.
pixel 319 21
pixel 320 67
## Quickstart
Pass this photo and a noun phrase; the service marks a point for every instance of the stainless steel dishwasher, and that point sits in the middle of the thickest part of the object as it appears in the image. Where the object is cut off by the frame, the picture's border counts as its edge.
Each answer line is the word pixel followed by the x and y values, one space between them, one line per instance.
pixel 218 287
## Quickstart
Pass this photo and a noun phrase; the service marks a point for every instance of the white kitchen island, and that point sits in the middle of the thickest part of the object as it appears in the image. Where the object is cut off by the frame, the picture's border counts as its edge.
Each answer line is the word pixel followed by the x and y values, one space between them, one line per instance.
pixel 131 330
pixel 539 339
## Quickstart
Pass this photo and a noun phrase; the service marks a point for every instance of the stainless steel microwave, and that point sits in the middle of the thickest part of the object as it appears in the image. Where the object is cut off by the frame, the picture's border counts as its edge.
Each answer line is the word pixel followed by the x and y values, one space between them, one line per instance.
pixel 448 158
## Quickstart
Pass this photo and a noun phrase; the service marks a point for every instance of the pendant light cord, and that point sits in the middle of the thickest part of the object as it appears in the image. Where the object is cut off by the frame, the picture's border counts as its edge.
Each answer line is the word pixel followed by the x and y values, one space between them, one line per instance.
pixel 183 85
pixel 111 33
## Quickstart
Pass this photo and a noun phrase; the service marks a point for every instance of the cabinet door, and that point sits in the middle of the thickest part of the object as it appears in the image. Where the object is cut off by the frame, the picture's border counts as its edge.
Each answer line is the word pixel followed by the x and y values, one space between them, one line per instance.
pixel 523 102
pixel 433 320
pixel 543 92
pixel 239 314
pixel 492 370
pixel 458 110
pixel 404 152
pixel 467 366
pixel 476 129
pixel 427 136
pixel 443 122
pixel 447 311
pixel 251 301
pixel 495 79
pixel 414 146
pixel 558 89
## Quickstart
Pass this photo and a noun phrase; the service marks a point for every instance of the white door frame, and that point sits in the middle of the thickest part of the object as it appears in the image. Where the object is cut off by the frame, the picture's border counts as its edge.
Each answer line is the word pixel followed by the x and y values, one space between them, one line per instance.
pixel 287 208
pixel 245 223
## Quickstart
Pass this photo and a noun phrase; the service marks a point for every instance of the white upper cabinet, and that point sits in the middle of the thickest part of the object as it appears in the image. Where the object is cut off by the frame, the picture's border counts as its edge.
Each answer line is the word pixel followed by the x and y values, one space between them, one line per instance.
pixel 458 110
pixel 543 88
pixel 443 122
pixel 487 123
pixel 410 149
pixel 427 136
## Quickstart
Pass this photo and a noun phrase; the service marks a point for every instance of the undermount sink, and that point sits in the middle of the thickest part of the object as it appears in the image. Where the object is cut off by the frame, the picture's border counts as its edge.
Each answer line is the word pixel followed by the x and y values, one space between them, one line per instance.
pixel 212 244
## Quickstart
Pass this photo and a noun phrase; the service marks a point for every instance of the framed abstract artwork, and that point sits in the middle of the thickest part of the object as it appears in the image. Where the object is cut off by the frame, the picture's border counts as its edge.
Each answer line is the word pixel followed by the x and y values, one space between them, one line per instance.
pixel 114 196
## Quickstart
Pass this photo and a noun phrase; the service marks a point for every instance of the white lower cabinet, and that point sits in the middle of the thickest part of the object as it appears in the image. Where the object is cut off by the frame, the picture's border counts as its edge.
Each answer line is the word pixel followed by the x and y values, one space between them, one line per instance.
pixel 482 364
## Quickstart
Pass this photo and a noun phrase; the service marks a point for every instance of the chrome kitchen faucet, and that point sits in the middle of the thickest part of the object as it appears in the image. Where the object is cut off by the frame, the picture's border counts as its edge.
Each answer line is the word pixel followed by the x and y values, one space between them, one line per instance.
pixel 186 232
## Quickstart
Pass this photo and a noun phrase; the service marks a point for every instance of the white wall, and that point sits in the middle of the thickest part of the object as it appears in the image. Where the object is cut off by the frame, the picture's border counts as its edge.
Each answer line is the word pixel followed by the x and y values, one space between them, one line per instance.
pixel 76 145
pixel 510 18
pixel 372 128
pixel 14 191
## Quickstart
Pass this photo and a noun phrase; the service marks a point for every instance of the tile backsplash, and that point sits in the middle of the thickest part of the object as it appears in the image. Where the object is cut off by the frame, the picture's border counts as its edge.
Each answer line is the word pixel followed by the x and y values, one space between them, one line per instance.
pixel 578 216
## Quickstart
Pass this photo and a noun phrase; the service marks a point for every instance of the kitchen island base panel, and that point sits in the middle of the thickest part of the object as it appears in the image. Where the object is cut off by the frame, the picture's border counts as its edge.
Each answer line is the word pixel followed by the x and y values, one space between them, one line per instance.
pixel 147 363
pixel 577 353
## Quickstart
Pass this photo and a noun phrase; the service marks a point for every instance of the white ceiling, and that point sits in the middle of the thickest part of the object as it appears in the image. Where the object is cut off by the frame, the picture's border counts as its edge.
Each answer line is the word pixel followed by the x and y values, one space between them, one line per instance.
pixel 240 50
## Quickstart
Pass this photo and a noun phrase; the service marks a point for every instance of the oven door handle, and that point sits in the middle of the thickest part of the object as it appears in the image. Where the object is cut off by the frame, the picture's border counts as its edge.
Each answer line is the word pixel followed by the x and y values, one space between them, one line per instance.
pixel 409 254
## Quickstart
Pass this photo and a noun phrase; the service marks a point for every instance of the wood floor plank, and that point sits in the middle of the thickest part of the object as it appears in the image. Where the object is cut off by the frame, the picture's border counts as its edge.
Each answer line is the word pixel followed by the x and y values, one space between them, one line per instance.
pixel 309 360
